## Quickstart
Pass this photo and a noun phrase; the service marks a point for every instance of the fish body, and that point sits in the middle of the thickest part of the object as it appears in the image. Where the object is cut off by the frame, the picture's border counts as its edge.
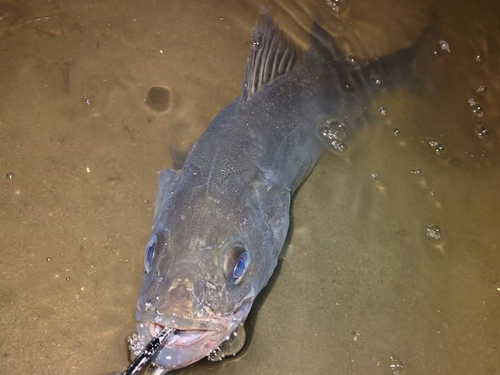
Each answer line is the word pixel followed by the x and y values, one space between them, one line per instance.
pixel 221 222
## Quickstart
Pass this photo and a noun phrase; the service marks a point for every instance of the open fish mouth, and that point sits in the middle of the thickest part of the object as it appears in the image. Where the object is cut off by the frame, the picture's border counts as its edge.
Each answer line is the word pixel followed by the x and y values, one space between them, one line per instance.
pixel 183 337
pixel 193 339
pixel 182 348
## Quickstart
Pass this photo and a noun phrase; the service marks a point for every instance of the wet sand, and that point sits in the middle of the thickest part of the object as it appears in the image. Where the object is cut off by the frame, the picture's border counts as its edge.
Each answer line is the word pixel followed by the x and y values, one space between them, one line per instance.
pixel 362 288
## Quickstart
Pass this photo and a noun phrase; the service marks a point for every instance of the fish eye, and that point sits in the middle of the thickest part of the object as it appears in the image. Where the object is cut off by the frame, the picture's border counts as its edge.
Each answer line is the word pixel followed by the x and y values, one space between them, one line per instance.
pixel 149 253
pixel 236 262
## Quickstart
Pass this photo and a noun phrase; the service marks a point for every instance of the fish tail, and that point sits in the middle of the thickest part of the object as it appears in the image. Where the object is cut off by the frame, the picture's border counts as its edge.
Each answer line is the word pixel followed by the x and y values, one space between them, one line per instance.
pixel 367 76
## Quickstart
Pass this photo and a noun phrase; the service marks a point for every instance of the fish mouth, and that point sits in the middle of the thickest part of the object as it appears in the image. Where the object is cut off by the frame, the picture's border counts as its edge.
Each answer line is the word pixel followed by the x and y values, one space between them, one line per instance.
pixel 184 337
pixel 194 339
pixel 185 346
pixel 216 324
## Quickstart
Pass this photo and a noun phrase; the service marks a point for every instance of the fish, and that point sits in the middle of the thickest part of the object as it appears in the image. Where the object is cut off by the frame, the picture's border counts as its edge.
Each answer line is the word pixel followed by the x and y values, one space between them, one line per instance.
pixel 221 220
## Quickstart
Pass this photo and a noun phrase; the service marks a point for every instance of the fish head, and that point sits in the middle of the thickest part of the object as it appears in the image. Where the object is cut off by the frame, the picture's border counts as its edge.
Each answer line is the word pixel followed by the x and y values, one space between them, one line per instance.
pixel 208 257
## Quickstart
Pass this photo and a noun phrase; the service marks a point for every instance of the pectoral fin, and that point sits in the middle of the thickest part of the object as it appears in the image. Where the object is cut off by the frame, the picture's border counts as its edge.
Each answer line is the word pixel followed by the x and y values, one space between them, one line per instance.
pixel 167 183
pixel 275 204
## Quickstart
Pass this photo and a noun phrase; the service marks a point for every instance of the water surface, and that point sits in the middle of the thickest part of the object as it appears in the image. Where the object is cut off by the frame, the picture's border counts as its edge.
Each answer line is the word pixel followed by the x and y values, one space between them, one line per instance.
pixel 362 288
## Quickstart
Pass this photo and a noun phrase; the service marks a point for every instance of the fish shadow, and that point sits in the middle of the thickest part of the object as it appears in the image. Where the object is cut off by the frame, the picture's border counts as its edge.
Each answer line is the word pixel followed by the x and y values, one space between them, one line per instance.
pixel 253 316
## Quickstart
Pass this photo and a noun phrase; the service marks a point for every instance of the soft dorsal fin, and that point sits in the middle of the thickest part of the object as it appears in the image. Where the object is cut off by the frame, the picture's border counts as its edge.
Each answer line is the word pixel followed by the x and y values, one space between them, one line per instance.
pixel 273 55
pixel 323 44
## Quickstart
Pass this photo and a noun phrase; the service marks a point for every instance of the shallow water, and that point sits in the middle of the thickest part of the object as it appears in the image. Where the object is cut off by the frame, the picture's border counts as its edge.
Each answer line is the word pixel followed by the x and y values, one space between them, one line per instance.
pixel 362 288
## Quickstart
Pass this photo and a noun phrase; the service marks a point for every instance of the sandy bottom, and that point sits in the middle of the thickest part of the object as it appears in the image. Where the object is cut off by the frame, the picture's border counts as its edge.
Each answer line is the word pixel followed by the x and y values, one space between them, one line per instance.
pixel 362 289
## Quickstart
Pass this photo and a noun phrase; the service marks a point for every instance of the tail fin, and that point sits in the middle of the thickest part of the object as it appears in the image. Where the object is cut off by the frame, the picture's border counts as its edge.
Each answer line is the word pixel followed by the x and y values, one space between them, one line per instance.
pixel 395 69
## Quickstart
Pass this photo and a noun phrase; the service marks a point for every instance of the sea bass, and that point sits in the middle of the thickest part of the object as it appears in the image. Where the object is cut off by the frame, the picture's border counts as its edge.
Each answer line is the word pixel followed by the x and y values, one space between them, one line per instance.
pixel 221 222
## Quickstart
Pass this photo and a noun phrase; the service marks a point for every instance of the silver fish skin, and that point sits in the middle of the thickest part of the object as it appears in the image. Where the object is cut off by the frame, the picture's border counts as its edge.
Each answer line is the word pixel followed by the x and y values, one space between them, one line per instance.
pixel 221 222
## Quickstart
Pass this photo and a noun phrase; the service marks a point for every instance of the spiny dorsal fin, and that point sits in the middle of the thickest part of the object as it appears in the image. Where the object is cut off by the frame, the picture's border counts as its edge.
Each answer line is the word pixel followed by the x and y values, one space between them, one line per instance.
pixel 273 55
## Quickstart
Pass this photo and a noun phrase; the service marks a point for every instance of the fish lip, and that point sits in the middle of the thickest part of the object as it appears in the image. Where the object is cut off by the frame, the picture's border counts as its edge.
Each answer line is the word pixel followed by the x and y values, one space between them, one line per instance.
pixel 189 331
pixel 184 347
pixel 216 324
pixel 219 327
pixel 181 337
pixel 196 338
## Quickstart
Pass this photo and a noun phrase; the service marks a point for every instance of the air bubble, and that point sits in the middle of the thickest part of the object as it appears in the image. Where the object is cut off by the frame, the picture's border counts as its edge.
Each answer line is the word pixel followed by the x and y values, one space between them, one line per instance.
pixel 382 111
pixel 482 132
pixel 334 130
pixel 445 46
pixel 396 131
pixel 351 59
pixel 476 107
pixel 255 44
pixel 335 134
pixel 438 147
pixel 378 81
pixel 481 88
pixel 478 111
pixel 136 343
pixel 216 355
pixel 434 231
pixel 334 5
pixel 339 147
pixel 68 278
pixel 396 366
pixel 86 100
pixel 234 343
